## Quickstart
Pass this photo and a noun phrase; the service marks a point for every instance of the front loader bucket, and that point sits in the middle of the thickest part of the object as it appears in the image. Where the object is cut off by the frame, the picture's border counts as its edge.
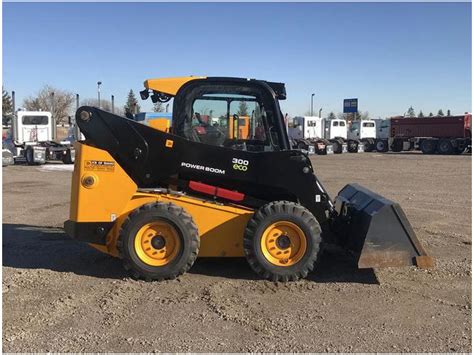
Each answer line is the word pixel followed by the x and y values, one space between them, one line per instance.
pixel 377 230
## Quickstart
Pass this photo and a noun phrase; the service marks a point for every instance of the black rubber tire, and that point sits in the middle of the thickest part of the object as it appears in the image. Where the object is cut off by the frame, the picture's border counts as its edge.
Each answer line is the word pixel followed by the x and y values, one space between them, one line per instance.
pixel 445 146
pixel 271 213
pixel 67 159
pixel 428 146
pixel 336 147
pixel 302 146
pixel 184 225
pixel 29 155
pixel 352 146
pixel 397 145
pixel 369 146
pixel 381 146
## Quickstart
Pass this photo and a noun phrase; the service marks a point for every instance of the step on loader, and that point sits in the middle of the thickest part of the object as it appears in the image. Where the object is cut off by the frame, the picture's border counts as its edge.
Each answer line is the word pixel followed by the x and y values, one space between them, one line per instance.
pixel 158 199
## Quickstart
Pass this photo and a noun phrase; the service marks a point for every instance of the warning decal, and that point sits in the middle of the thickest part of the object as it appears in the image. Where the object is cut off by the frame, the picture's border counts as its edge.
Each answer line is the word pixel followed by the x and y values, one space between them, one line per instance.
pixel 99 165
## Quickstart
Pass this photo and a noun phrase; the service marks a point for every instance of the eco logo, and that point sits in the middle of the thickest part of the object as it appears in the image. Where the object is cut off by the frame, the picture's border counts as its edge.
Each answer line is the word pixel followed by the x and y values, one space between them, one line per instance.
pixel 240 164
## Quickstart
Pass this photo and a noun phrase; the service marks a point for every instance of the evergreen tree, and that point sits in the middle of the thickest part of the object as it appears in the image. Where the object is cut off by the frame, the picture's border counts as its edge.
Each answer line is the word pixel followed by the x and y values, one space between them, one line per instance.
pixel 411 112
pixel 331 115
pixel 421 114
pixel 243 109
pixel 448 113
pixel 431 114
pixel 7 107
pixel 440 112
pixel 132 106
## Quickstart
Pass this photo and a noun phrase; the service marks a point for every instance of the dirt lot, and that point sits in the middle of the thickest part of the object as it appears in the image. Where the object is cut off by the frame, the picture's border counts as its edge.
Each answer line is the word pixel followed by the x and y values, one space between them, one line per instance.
pixel 60 295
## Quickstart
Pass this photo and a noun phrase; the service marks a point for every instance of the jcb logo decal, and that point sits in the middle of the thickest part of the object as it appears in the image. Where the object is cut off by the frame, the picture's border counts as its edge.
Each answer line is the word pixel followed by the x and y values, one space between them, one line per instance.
pixel 240 164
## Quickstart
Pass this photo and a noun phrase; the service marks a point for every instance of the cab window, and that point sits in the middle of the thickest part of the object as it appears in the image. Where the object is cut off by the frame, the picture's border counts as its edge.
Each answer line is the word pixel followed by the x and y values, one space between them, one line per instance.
pixel 368 124
pixel 35 120
pixel 232 120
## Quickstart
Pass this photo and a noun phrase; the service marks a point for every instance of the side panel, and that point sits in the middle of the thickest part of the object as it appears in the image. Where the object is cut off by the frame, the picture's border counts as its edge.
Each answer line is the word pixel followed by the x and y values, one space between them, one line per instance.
pixel 102 192
pixel 428 127
pixel 221 227
pixel 100 187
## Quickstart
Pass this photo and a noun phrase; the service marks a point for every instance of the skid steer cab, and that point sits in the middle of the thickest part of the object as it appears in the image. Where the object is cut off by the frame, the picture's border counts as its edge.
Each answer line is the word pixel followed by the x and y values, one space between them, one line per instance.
pixel 222 181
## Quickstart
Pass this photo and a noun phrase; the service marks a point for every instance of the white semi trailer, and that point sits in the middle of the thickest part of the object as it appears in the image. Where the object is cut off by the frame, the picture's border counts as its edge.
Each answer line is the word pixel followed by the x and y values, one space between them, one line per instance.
pixel 32 139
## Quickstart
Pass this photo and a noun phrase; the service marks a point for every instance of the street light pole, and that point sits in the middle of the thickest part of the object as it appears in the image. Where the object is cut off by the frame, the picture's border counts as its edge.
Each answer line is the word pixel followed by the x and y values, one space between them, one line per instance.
pixel 113 108
pixel 320 112
pixel 53 117
pixel 98 92
pixel 312 95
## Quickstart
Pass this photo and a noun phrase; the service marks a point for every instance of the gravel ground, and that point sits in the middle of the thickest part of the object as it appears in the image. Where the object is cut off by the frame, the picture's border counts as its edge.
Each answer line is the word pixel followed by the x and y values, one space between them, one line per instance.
pixel 62 296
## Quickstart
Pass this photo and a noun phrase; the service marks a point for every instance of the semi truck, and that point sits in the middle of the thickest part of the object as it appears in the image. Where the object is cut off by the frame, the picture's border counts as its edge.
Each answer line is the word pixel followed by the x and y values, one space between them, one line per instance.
pixel 32 139
pixel 357 137
pixel 439 134
pixel 307 133
pixel 362 135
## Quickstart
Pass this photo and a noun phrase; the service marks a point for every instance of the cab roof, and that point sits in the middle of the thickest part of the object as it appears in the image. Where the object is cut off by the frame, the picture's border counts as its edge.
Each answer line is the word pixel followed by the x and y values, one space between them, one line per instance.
pixel 170 86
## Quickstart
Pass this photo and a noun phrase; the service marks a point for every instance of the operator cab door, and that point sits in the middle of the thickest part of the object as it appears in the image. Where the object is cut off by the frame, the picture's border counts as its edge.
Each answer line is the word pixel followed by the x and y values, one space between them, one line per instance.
pixel 241 115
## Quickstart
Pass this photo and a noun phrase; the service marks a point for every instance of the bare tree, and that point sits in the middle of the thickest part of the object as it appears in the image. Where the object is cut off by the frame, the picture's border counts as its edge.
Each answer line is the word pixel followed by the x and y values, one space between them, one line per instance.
pixel 243 109
pixel 158 107
pixel 57 101
pixel 105 105
pixel 342 116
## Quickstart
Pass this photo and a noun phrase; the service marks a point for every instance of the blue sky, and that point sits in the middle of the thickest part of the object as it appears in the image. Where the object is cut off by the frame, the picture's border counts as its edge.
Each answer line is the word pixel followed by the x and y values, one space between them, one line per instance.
pixel 389 55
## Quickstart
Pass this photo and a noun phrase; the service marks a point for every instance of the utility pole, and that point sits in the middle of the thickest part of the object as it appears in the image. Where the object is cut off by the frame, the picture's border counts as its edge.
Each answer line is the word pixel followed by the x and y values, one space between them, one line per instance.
pixel 52 102
pixel 113 108
pixel 53 118
pixel 13 102
pixel 99 83
pixel 312 95
pixel 77 102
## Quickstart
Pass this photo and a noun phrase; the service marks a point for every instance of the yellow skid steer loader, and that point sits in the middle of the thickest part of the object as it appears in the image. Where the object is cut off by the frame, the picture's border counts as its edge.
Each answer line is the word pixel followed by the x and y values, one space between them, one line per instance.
pixel 160 199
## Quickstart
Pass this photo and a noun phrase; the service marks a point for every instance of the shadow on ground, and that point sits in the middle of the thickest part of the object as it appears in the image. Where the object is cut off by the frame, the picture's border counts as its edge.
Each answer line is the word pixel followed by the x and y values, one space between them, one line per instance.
pixel 37 247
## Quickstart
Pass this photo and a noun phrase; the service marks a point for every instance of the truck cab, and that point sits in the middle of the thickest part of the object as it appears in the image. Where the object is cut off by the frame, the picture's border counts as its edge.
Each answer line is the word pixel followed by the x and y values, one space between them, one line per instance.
pixel 307 132
pixel 32 139
pixel 33 127
pixel 362 129
pixel 311 127
pixel 336 128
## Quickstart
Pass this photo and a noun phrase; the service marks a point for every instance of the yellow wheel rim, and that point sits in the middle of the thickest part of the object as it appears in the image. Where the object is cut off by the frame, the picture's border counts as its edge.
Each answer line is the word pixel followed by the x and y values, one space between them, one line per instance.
pixel 283 243
pixel 157 243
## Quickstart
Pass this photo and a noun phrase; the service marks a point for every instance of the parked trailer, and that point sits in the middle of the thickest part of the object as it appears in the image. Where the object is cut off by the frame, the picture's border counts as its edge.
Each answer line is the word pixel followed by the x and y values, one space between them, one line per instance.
pixel 31 139
pixel 440 134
